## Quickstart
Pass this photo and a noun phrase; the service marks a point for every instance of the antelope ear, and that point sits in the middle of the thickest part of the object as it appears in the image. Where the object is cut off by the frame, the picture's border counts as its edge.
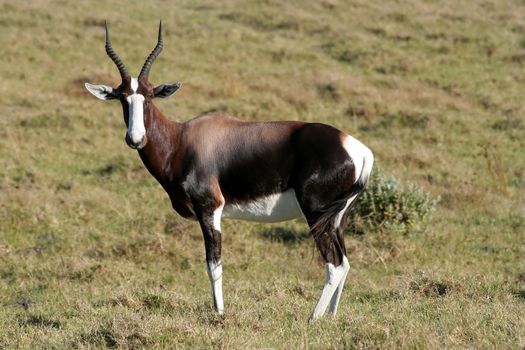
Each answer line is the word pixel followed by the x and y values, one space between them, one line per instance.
pixel 166 90
pixel 102 92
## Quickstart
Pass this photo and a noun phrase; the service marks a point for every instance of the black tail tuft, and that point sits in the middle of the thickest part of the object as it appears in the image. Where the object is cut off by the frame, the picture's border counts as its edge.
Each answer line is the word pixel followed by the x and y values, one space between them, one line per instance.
pixel 326 222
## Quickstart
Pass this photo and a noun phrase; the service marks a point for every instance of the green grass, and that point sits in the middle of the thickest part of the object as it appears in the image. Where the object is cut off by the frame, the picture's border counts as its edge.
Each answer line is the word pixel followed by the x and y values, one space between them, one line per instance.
pixel 92 255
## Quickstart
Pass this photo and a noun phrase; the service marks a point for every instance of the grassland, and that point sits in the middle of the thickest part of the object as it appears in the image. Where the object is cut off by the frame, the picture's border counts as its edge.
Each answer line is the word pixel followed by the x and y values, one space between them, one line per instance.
pixel 92 255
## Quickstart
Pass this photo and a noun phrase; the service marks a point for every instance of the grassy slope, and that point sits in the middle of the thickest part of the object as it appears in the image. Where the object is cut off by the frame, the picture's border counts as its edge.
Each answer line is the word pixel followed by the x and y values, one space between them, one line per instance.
pixel 434 89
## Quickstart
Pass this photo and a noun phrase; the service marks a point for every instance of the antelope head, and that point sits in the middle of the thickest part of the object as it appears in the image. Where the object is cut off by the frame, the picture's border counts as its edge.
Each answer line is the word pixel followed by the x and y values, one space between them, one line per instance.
pixel 135 94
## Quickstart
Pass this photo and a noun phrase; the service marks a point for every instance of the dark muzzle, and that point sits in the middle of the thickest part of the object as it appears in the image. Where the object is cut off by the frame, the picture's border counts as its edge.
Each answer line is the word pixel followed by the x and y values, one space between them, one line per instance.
pixel 136 146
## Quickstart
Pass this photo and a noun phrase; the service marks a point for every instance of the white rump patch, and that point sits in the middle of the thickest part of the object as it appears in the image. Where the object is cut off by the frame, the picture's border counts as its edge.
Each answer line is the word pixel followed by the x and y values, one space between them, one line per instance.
pixel 274 208
pixel 358 153
pixel 363 161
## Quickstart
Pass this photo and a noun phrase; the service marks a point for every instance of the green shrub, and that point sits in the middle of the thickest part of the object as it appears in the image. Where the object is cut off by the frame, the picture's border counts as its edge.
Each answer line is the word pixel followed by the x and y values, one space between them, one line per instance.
pixel 387 204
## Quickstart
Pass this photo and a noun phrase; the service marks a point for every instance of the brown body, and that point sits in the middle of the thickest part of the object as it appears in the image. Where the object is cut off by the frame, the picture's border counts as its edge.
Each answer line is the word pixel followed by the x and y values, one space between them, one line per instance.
pixel 215 158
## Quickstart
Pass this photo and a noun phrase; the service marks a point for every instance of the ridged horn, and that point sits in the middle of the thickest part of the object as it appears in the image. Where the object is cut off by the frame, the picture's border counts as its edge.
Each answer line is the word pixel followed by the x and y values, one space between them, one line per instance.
pixel 153 55
pixel 114 57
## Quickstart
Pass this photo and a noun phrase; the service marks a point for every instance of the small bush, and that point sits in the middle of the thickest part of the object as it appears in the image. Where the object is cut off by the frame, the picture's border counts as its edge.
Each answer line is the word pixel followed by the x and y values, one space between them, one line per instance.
pixel 386 204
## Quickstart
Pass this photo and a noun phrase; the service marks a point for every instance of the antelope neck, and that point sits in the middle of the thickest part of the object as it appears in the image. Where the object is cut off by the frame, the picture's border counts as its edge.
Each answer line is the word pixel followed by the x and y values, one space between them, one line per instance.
pixel 164 138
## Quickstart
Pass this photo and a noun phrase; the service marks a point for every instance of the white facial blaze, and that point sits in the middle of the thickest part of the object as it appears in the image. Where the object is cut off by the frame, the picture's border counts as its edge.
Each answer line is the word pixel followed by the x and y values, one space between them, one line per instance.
pixel 134 85
pixel 136 128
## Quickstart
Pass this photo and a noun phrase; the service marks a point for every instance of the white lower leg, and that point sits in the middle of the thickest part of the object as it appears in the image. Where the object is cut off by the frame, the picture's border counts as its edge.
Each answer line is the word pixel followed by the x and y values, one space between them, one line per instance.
pixel 215 274
pixel 333 277
pixel 337 295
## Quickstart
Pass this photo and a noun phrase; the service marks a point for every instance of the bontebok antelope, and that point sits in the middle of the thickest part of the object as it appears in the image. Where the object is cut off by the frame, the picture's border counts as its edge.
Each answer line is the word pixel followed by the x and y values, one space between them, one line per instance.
pixel 216 166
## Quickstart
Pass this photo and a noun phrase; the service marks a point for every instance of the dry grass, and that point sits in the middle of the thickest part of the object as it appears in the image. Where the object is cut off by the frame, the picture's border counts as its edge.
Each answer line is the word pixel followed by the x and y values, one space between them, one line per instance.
pixel 92 255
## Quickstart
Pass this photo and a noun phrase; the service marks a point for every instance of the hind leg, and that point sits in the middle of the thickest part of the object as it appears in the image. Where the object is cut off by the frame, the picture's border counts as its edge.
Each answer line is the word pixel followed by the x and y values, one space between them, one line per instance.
pixel 340 222
pixel 337 267
pixel 335 276
pixel 345 265
pixel 336 297
pixel 330 241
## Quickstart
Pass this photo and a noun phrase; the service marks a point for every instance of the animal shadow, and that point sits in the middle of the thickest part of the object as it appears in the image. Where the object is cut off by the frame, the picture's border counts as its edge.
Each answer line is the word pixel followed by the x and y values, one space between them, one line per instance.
pixel 284 235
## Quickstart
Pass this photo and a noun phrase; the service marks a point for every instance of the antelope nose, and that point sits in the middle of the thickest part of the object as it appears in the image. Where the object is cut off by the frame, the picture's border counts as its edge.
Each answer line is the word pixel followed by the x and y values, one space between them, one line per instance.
pixel 136 145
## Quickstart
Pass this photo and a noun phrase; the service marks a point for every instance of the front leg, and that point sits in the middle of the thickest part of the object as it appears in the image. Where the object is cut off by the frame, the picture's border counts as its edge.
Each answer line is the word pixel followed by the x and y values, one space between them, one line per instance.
pixel 210 221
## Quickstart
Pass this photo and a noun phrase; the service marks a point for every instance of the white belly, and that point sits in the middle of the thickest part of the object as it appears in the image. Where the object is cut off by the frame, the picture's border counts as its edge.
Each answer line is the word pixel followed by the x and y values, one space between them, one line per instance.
pixel 274 208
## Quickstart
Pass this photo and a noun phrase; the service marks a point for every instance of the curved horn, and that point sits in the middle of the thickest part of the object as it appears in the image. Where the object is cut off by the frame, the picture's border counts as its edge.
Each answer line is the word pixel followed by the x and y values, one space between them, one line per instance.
pixel 153 55
pixel 114 57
